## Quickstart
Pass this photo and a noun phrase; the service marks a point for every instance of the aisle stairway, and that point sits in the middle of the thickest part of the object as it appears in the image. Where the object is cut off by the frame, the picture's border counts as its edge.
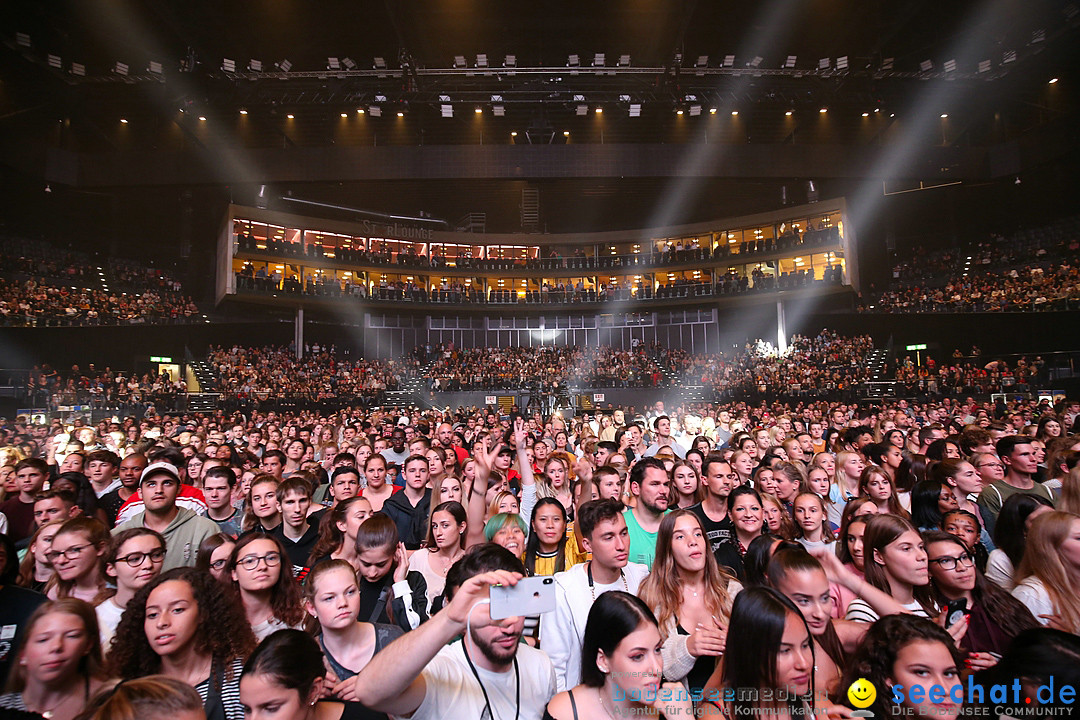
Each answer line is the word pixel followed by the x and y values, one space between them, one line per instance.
pixel 414 390
pixel 201 398
pixel 880 384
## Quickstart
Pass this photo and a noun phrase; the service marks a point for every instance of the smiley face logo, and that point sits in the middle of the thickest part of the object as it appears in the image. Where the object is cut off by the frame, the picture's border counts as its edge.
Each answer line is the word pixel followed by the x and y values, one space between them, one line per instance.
pixel 862 693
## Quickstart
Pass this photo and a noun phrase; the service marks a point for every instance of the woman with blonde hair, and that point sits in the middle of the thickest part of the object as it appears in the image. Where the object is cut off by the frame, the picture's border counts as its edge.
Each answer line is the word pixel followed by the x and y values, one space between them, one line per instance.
pixel 1051 571
pixel 845 483
pixel 556 482
pixel 1070 492
pixel 691 597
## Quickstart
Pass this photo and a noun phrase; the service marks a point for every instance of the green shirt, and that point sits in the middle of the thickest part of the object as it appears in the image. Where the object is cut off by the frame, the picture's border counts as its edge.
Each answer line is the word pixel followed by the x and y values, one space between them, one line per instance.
pixel 642 544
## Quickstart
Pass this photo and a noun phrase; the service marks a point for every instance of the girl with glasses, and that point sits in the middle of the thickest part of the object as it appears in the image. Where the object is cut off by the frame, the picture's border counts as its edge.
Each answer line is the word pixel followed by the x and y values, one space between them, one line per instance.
pixel 186 625
pixel 994 616
pixel 59 665
pixel 133 559
pixel 270 596
pixel 214 554
pixel 77 556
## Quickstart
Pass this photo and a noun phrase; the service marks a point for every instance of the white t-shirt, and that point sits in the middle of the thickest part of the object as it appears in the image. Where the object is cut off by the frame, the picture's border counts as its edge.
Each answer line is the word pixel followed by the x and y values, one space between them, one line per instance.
pixel 1032 593
pixel 452 691
pixel 108 617
pixel 999 569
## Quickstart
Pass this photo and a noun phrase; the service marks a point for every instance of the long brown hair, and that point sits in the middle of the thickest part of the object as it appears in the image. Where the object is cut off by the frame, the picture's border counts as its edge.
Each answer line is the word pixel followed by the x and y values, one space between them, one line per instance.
pixel 331 537
pixel 893 502
pixel 29 562
pixel 1011 615
pixel 285 594
pixel 882 530
pixel 662 589
pixel 1042 560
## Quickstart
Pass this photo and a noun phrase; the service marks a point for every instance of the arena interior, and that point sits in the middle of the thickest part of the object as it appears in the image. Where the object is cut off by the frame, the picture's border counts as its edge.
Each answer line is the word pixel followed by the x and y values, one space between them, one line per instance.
pixel 733 346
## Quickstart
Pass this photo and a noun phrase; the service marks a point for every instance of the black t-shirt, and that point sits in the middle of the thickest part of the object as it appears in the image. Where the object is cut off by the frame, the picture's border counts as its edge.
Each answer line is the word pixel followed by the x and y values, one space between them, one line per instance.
pixel 111 502
pixel 717 532
pixel 727 557
pixel 17 604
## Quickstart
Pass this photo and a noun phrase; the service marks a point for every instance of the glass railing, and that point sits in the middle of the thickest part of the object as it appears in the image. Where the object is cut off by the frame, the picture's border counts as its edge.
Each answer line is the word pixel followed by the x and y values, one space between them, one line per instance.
pixel 349 256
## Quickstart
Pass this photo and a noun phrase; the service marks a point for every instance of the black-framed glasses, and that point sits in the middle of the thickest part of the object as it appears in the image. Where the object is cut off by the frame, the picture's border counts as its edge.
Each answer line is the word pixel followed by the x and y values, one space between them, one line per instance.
pixel 220 564
pixel 250 562
pixel 136 559
pixel 72 553
pixel 948 562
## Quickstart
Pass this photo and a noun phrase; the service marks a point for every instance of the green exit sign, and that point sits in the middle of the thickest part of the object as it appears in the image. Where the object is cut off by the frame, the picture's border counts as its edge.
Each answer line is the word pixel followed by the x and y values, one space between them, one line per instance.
pixel 155 358
pixel 917 347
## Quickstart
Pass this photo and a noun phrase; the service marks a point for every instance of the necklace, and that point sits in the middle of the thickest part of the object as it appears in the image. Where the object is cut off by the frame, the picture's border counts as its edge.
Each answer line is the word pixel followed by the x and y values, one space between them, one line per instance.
pixel 592 590
pixel 600 694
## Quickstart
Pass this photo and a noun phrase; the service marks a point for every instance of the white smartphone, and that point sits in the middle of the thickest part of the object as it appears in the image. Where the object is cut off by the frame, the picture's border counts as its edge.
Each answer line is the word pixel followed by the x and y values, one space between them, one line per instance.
pixel 531 596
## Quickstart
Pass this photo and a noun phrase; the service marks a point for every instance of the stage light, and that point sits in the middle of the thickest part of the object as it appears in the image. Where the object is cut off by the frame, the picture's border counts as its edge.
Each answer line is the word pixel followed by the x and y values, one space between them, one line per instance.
pixel 375 111
pixel 349 63
pixel 729 60
pixel 823 110
pixel 481 60
pixel 624 61
pixel 679 111
pixel 702 61
pixel 498 110
pixel 78 69
pixel 155 68
pixel 400 114
pixel 598 60
pixel 823 64
pixel 332 63
pixel 712 111
pixel 446 111
pixel 635 110
pixel 788 113
pixel 842 62
pixel 573 61
pixel 478 110
pixel 290 116
pixel 344 115
pixel 566 133
pixel 228 65
pixel 123 121
pixel 926 65
pixel 734 113
pixel 950 66
pixel 1053 81
pixel 513 133
pixel 359 111
pixel 243 112
pixel 459 61
pixel 510 61
pixel 944 115
pixel 120 69
pixel 55 62
pixel 380 63
pixel 285 66
pixel 581 110
pixel 599 111
pixel 202 118
pixel 255 65
pixel 790 62
pixel 695 110
pixel 866 114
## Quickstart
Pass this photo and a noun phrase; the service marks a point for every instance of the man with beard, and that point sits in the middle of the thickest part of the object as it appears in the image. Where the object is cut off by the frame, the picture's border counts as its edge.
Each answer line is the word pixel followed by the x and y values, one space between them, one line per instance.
pixel 487 673
pixel 651 485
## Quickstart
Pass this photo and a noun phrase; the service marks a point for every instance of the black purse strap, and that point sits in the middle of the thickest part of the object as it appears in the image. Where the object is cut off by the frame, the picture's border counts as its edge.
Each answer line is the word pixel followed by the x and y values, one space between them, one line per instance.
pixel 214 707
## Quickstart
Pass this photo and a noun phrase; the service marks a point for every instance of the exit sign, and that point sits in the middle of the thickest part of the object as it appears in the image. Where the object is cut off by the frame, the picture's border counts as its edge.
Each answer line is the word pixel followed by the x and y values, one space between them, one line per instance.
pixel 917 347
pixel 155 358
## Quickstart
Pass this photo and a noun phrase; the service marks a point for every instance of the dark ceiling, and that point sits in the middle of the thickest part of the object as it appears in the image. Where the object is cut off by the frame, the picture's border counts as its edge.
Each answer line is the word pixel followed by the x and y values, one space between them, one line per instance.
pixel 45 108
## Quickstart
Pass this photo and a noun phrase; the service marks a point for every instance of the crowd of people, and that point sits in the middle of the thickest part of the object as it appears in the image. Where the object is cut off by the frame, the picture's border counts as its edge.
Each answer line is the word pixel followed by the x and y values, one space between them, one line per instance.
pixel 822 365
pixel 549 369
pixel 44 285
pixel 249 375
pixel 964 376
pixel 1031 270
pixel 723 559
pixel 105 389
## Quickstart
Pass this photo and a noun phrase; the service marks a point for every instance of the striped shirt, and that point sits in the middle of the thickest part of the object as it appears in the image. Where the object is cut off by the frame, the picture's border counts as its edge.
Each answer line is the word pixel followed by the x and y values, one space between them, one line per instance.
pixel 230 691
